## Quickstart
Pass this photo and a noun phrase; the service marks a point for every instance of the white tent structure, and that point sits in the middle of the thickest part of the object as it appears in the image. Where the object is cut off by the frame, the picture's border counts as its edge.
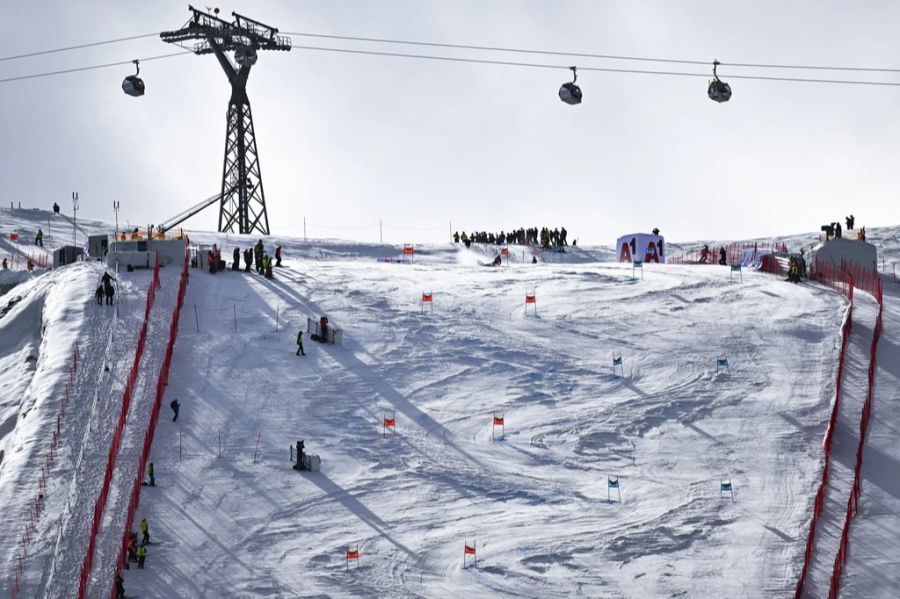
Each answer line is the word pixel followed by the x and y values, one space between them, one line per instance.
pixel 641 246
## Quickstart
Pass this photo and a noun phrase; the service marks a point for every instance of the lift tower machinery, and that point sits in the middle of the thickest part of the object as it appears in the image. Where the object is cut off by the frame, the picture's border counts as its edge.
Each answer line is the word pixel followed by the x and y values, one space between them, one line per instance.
pixel 243 202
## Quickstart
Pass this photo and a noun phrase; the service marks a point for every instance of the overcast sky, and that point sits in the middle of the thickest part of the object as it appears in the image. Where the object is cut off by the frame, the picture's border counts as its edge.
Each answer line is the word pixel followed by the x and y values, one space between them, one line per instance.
pixel 346 140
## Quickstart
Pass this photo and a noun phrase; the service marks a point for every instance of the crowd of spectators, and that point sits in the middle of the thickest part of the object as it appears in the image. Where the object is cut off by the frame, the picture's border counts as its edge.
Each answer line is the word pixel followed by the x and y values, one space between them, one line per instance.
pixel 545 237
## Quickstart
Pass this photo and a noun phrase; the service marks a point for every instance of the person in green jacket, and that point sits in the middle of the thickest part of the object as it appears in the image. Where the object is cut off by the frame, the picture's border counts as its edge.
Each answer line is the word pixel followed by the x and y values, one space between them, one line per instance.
pixel 142 555
pixel 300 351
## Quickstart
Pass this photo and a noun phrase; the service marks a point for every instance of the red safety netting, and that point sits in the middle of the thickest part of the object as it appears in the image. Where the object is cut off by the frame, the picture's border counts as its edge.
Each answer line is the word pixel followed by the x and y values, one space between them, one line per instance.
pixel 100 506
pixel 870 282
pixel 823 484
pixel 733 253
pixel 154 416
pixel 845 279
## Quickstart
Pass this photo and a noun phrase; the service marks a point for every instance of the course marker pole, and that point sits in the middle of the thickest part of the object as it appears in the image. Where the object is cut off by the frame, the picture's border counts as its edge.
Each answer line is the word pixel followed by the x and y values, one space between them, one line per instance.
pixel 612 482
pixel 389 422
pixel 469 550
pixel 498 421
pixel 530 298
pixel 726 487
pixel 722 363
pixel 617 361
pixel 351 554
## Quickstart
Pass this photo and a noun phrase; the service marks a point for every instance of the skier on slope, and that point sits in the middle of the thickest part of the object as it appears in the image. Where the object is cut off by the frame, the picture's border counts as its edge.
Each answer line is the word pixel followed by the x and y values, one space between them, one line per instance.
pixel 108 289
pixel 175 407
pixel 300 351
pixel 145 531
pixel 722 257
pixel 278 256
pixel 150 474
pixel 131 547
pixel 704 254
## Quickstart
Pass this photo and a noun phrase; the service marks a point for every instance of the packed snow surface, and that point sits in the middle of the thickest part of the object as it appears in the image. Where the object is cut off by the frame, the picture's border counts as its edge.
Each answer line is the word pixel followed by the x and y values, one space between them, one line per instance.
pixel 534 500
pixel 228 519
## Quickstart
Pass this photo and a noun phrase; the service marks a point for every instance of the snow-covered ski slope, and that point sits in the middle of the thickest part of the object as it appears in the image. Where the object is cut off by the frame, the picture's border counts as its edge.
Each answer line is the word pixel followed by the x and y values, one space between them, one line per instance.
pixel 48 316
pixel 873 563
pixel 844 447
pixel 535 501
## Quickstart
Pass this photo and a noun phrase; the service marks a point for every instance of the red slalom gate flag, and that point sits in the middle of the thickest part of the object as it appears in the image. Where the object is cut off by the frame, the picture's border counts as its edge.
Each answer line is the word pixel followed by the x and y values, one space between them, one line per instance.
pixel 498 420
pixel 504 251
pixel 426 297
pixel 530 298
pixel 408 249
pixel 353 554
pixel 469 550
pixel 390 422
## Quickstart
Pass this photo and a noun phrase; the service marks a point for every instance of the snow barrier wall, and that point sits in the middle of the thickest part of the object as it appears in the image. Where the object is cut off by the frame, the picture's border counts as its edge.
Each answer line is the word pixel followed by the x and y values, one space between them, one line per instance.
pixel 100 505
pixel 37 504
pixel 870 282
pixel 840 281
pixel 844 280
pixel 151 427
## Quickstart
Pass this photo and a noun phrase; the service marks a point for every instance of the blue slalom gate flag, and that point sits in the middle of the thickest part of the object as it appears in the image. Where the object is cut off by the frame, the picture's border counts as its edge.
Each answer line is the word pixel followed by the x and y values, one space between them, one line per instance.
pixel 735 268
pixel 617 361
pixel 725 487
pixel 613 482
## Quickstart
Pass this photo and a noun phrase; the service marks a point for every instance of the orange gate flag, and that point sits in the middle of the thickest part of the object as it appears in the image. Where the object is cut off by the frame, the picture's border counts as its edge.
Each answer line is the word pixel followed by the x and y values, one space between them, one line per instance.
pixel 407 249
